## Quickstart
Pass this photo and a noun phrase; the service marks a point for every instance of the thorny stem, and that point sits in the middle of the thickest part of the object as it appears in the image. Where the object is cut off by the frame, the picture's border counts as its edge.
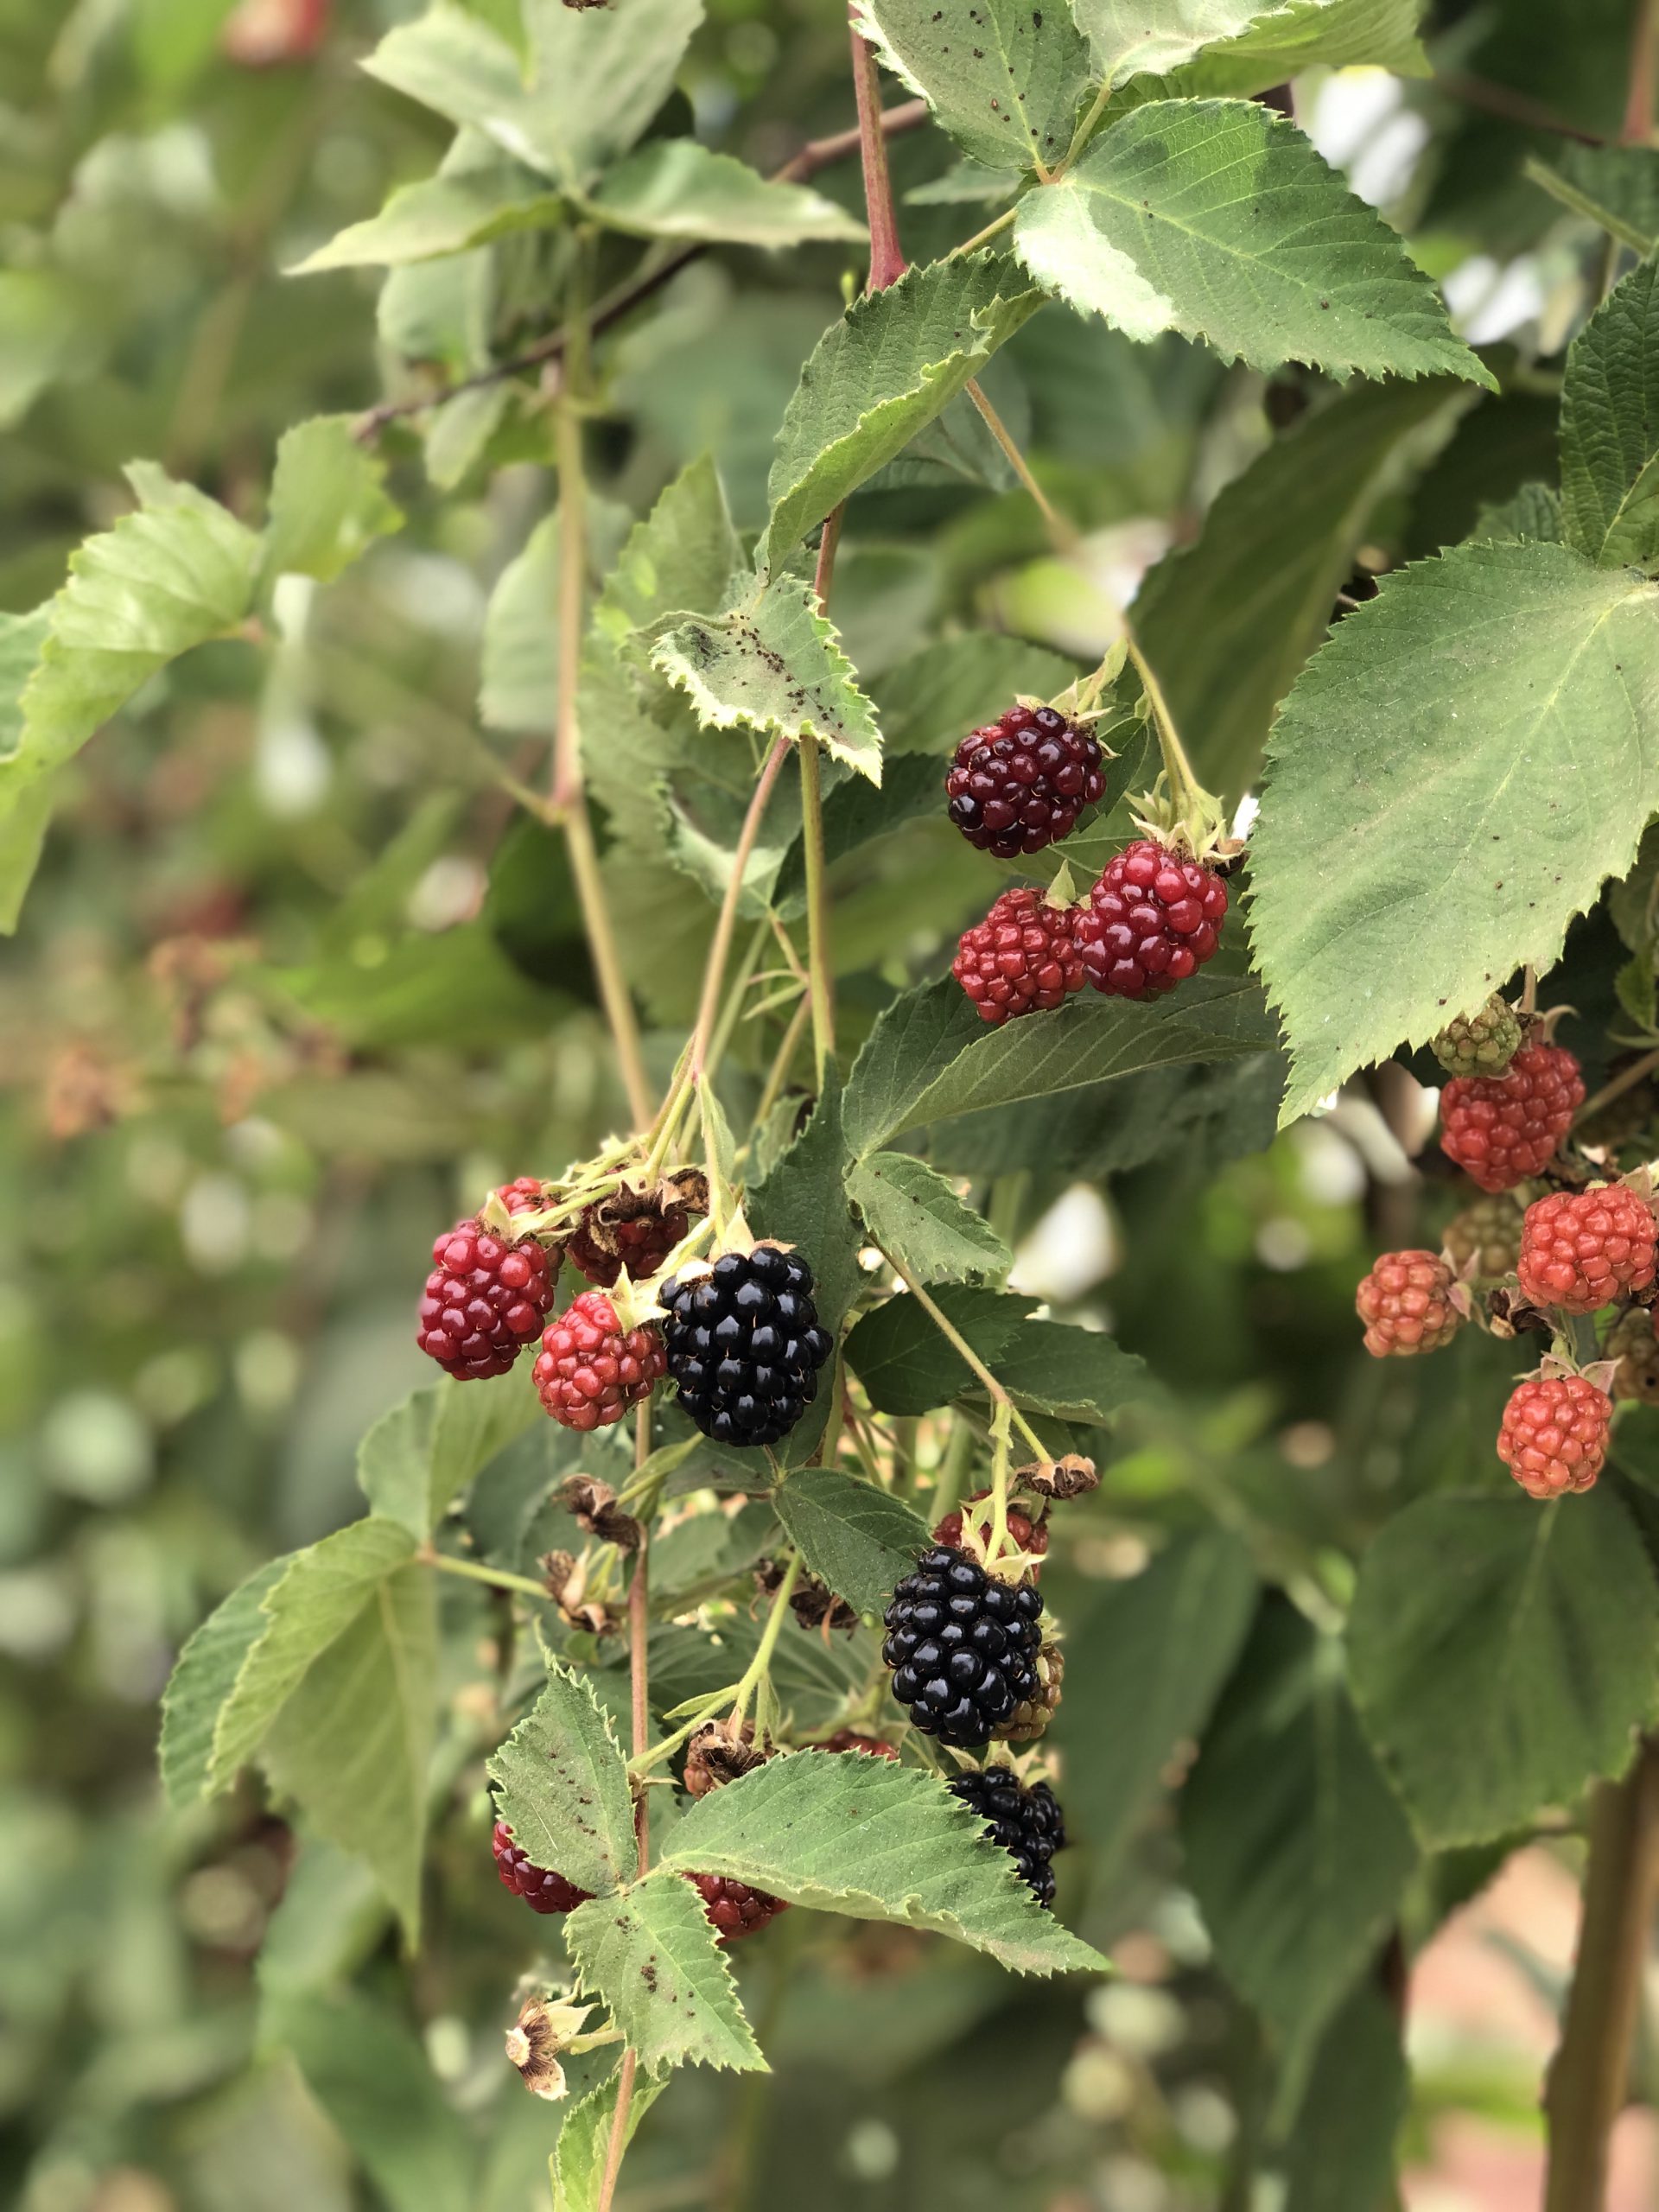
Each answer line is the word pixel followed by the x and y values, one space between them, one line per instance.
pixel 887 261
pixel 497 1578
pixel 1626 1079
pixel 959 1343
pixel 1589 2073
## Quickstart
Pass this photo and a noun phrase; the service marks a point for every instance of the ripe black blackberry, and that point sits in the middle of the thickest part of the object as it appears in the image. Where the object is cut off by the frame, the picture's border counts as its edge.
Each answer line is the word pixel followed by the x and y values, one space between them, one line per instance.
pixel 963 1646
pixel 1025 1823
pixel 744 1345
pixel 1020 782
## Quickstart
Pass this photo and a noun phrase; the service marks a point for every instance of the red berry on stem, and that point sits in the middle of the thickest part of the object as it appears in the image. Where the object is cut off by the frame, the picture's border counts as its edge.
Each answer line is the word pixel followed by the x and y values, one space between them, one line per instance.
pixel 525 1194
pixel 1579 1249
pixel 1553 1436
pixel 734 1909
pixel 541 1890
pixel 1501 1128
pixel 1029 1535
pixel 1022 958
pixel 643 1244
pixel 1153 920
pixel 1406 1305
pixel 590 1369
pixel 483 1299
pixel 1020 782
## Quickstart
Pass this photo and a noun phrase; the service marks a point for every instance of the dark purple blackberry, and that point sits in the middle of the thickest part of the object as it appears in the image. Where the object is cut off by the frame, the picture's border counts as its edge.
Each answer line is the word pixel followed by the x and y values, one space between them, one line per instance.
pixel 1020 782
pixel 963 1646
pixel 744 1345
pixel 1025 1823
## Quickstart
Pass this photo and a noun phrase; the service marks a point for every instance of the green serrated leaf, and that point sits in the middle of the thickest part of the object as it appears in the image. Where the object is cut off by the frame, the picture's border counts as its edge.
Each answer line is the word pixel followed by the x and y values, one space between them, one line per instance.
pixel 1339 2150
pixel 858 1540
pixel 1617 187
pixel 1533 513
pixel 879 1842
pixel 907 1367
pixel 1297 1850
pixel 1131 38
pixel 1502 1654
pixel 25 797
pixel 1609 429
pixel 519 682
pixel 651 1956
pixel 478 195
pixel 919 1220
pixel 577 2166
pixel 1434 817
pixel 201 1684
pixel 1217 218
pixel 562 1787
pixel 677 188
pixel 418 1456
pixel 327 501
pixel 1005 80
pixel 775 665
pixel 880 376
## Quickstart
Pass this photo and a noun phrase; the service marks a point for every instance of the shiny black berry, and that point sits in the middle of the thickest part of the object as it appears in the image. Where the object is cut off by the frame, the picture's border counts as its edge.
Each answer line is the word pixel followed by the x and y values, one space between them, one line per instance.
pixel 1020 782
pixel 963 1646
pixel 744 1344
pixel 1025 1823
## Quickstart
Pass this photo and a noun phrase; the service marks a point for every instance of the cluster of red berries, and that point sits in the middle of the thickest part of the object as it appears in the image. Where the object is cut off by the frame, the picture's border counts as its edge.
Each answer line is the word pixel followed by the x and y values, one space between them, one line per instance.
pixel 732 1908
pixel 1151 920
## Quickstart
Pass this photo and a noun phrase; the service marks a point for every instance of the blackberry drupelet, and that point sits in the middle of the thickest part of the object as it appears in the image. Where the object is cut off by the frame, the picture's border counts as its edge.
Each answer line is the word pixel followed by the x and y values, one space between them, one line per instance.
pixel 744 1345
pixel 1020 782
pixel 732 1908
pixel 1025 1823
pixel 541 1890
pixel 963 1646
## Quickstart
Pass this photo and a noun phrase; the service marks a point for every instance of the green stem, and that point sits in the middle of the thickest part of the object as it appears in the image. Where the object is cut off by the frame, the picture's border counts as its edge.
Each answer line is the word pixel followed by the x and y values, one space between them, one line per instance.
pixel 1003 222
pixel 999 1537
pixel 714 972
pixel 779 1074
pixel 497 1578
pixel 760 1666
pixel 953 1336
pixel 821 989
pixel 1185 788
pixel 1063 534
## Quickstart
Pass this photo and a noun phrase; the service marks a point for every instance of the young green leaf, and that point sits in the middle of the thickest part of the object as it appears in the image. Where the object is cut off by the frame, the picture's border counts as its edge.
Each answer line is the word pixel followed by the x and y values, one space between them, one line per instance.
pixel 881 375
pixel 1609 429
pixel 327 504
pixel 1434 817
pixel 879 1842
pixel 918 1219
pixel 1296 1848
pixel 562 1787
pixel 650 1955
pixel 776 665
pixel 682 555
pixel 1502 1654
pixel 1531 514
pixel 1217 218
pixel 1136 38
pixel 577 2166
pixel 201 1683
pixel 1005 79
pixel 907 1367
pixel 479 195
pixel 425 1451
pixel 858 1540
pixel 519 681
pixel 677 188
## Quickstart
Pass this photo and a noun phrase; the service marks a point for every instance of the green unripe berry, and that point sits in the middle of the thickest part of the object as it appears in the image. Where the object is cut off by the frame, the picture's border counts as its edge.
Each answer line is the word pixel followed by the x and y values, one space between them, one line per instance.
pixel 1482 1043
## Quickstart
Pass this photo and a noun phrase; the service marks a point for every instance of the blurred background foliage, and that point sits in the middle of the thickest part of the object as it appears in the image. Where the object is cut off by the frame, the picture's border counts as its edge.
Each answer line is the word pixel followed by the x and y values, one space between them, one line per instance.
pixel 294 986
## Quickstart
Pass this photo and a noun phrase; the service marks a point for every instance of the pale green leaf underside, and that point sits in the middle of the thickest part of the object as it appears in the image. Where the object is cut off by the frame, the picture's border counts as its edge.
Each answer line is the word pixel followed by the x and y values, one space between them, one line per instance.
pixel 879 1842
pixel 441 214
pixel 858 1540
pixel 1218 219
pixel 562 1788
pixel 418 1456
pixel 651 1954
pixel 202 1680
pixel 1137 38
pixel 25 797
pixel 881 374
pixel 1005 77
pixel 1502 1655
pixel 1450 780
pixel 676 189
pixel 918 1219
pixel 1609 428
pixel 775 665
pixel 327 501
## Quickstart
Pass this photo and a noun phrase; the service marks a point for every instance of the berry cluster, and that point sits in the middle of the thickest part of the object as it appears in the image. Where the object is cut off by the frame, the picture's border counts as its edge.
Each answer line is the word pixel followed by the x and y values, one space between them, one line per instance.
pixel 1553 1434
pixel 1022 958
pixel 1020 782
pixel 1406 1303
pixel 590 1369
pixel 1024 1822
pixel 1485 1239
pixel 963 1646
pixel 1500 1130
pixel 1580 1250
pixel 485 1299
pixel 744 1346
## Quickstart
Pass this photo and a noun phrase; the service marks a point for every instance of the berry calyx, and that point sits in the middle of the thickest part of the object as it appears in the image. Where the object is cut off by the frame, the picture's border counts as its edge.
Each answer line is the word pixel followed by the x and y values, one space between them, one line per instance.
pixel 1406 1304
pixel 743 1344
pixel 963 1646
pixel 1024 1534
pixel 1020 784
pixel 590 1369
pixel 636 1228
pixel 1153 919
pixel 1482 1043
pixel 1553 1434
pixel 541 1890
pixel 734 1909
pixel 1024 1822
pixel 485 1299
pixel 1022 958
pixel 1499 1129
pixel 1484 1241
pixel 1581 1249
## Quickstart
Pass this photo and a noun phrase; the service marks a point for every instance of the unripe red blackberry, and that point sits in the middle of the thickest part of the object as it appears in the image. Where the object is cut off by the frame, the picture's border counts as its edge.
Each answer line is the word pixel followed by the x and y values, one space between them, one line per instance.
pixel 963 1646
pixel 1487 1232
pixel 1022 958
pixel 1581 1249
pixel 1020 782
pixel 1553 1435
pixel 1499 1129
pixel 1024 1534
pixel 525 1194
pixel 590 1369
pixel 1025 1823
pixel 1153 919
pixel 1482 1043
pixel 541 1890
pixel 483 1299
pixel 1406 1305
pixel 848 1740
pixel 734 1909
pixel 642 1243
pixel 1632 1342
